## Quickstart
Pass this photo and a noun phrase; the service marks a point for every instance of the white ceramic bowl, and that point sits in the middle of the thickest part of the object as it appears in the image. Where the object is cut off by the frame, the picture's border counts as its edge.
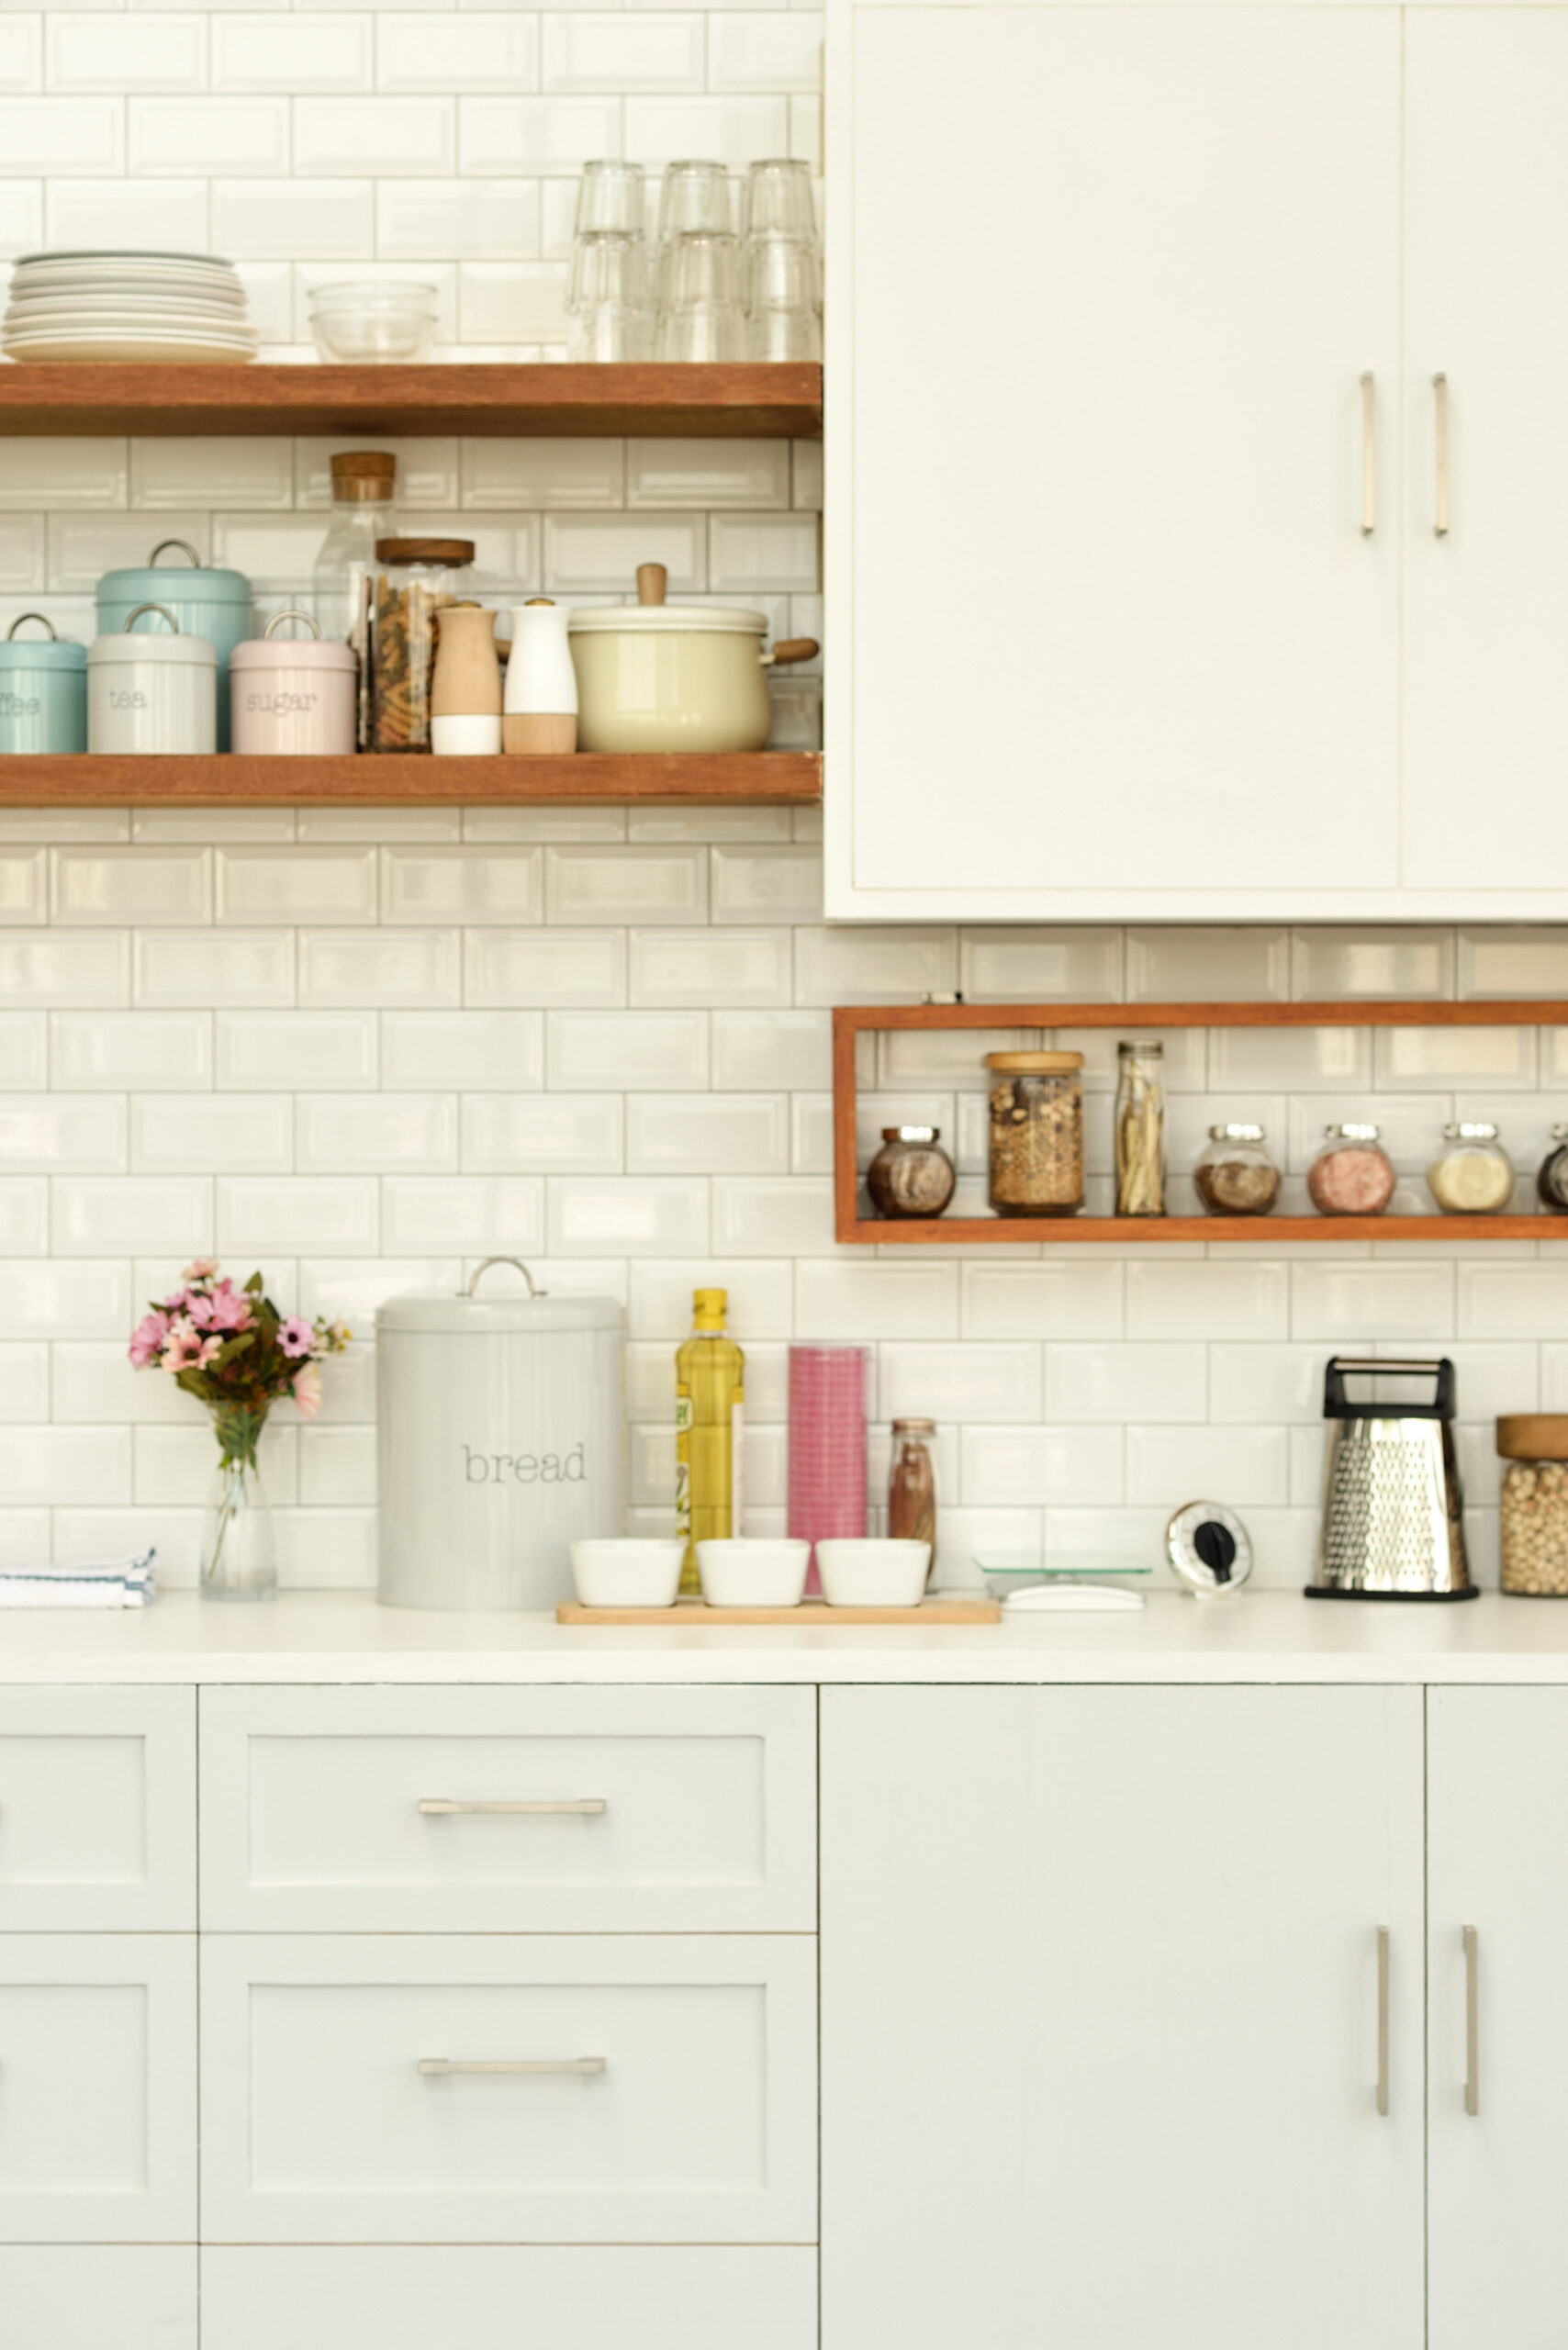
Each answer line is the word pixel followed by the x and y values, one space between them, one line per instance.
pixel 873 1572
pixel 627 1573
pixel 741 1573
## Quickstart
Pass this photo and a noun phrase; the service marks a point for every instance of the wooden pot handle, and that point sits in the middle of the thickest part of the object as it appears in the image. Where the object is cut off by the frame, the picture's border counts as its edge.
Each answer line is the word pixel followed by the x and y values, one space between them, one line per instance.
pixel 651 581
pixel 797 648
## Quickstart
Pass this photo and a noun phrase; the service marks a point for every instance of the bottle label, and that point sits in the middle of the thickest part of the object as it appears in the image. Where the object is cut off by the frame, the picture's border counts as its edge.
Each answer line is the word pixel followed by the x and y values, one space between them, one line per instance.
pixel 683 1424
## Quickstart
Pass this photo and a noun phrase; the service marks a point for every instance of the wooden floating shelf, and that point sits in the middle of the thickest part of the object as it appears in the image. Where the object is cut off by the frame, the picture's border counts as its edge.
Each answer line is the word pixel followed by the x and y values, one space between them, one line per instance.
pixel 754 779
pixel 1133 1019
pixel 719 400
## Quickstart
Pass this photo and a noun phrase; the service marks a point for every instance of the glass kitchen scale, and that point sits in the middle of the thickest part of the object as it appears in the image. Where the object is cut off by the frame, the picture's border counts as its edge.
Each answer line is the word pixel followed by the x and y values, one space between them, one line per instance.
pixel 1030 1588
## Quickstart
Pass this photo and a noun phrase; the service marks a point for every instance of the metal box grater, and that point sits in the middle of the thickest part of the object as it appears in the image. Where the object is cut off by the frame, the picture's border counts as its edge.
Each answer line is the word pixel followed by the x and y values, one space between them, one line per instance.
pixel 1393 1511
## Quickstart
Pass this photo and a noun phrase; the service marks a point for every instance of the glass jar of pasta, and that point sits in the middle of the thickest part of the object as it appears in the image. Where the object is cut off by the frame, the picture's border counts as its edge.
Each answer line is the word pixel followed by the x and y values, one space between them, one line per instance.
pixel 414 578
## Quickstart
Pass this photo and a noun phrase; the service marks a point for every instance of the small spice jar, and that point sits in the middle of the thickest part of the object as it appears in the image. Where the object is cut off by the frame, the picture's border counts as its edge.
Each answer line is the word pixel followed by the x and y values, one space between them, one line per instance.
pixel 912 1486
pixel 1037 1133
pixel 151 693
pixel 1473 1174
pixel 415 579
pixel 1352 1174
pixel 1533 1515
pixel 1551 1180
pixel 911 1175
pixel 292 696
pixel 1235 1175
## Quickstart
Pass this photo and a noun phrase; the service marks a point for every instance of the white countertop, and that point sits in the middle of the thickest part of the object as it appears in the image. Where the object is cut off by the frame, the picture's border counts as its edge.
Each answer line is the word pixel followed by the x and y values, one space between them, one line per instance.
pixel 336 1636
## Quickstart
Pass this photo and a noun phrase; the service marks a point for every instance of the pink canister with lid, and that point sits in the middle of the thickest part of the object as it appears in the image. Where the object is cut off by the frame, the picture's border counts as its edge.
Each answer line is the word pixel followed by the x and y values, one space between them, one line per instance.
pixel 294 695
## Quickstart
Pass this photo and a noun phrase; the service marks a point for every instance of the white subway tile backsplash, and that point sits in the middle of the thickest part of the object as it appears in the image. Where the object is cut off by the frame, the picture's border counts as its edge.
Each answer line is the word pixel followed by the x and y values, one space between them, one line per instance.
pixel 753 553
pixel 1328 961
pixel 702 967
pixel 1511 1301
pixel 61 134
pixel 62 969
pixel 625 885
pixel 747 473
pixel 294 55
pixel 337 1465
pixel 24 1216
pixel 1127 1381
pixel 659 1299
pixel 733 130
pixel 308 1051
pixel 211 469
pixel 586 51
pixel 1036 965
pixel 24 1051
pixel 714 1134
pixel 523 1134
pixel 857 1300
pixel 49 1133
pixel 472 1051
pixel 145 1052
pixel 203 135
pixel 591 553
pixel 1424 1060
pixel 1513 962
pixel 483 1217
pixel 539 135
pixel 1167 1465
pixel 497 51
pixel 1019 1465
pixel 764 1215
pixel 611 1217
pixel 269 1216
pixel 60 1299
pixel 89 474
pixel 440 220
pixel 98 1215
pixel 766 884
pixel 238 1133
pixel 347 137
pixel 397 969
pixel 587 1050
pixel 83 547
pixel 128 884
pixel 765 50
pixel 24 886
pixel 294 220
pixel 571 475
pixel 195 968
pixel 364 1133
pixel 554 966
pixel 1218 1300
pixel 793 1050
pixel 1412 1299
pixel 64 1464
pixel 465 885
pixel 296 885
pixel 24 1381
pixel 880 963
pixel 1180 966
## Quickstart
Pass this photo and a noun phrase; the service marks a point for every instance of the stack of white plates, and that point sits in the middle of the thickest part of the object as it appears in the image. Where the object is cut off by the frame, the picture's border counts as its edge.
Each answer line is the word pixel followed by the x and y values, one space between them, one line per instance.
pixel 127 305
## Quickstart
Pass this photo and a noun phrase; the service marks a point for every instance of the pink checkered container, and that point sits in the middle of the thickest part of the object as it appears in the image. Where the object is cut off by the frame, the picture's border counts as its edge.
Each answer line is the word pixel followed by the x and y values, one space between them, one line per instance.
pixel 827 1445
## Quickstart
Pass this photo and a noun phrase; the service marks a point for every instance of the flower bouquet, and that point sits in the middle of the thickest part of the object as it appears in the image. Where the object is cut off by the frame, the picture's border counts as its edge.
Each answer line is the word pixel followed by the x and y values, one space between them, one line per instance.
pixel 236 1353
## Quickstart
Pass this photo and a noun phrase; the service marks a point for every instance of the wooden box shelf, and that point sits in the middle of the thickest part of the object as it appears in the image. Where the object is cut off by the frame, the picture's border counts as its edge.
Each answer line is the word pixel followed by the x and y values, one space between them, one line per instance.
pixel 757 779
pixel 1133 1020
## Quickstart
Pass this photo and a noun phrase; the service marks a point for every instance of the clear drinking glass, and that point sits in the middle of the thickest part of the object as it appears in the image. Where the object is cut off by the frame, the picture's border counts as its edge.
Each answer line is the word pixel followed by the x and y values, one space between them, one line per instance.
pixel 776 200
pixel 609 316
pixel 612 195
pixel 694 197
pixel 781 299
pixel 702 317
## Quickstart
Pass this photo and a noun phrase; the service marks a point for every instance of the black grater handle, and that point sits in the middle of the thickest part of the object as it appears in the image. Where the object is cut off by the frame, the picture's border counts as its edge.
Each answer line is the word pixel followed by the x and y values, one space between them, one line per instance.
pixel 1337 1405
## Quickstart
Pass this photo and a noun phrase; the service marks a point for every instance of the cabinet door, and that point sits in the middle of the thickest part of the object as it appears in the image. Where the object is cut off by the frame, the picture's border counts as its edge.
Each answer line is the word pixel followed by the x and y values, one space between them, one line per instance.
pixel 1105 282
pixel 1496 1763
pixel 1101 2018
pixel 1486 683
pixel 97 1797
pixel 87 2297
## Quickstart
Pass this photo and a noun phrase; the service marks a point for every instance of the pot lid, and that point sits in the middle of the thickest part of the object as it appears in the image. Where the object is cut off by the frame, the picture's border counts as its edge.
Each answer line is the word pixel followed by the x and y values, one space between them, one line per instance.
pixel 49 652
pixel 497 1311
pixel 666 619
pixel 192 582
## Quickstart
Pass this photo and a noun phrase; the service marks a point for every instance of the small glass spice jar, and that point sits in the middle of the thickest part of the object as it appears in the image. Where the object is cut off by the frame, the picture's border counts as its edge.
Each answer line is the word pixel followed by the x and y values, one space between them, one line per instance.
pixel 1037 1133
pixel 1352 1174
pixel 1551 1179
pixel 1235 1175
pixel 1533 1511
pixel 1140 1129
pixel 415 579
pixel 912 1486
pixel 1473 1174
pixel 912 1174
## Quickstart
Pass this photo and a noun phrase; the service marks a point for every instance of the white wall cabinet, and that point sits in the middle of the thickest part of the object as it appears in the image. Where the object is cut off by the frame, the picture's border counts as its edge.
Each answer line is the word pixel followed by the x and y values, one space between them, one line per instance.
pixel 1132 471
pixel 1100 2018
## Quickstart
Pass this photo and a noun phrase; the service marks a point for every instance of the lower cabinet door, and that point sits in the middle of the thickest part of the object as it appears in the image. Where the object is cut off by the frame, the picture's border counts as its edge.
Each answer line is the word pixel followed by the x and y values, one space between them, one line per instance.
pixel 99 2297
pixel 1497 2037
pixel 1105 2026
pixel 97 2089
pixel 424 2297
pixel 509 2090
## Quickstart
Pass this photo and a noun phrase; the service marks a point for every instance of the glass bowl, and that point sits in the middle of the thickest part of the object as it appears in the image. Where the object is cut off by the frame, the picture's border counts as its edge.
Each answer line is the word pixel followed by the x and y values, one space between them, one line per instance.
pixel 373 323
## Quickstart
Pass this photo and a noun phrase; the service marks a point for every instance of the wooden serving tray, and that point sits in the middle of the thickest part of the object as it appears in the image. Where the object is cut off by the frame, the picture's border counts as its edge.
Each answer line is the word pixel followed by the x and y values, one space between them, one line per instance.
pixel 810 1611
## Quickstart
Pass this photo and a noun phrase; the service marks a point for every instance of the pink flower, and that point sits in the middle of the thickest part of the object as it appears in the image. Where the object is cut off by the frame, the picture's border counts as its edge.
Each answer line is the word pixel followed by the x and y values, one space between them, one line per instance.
pixel 200 1269
pixel 223 1308
pixel 186 1348
pixel 296 1335
pixel 147 1340
pixel 308 1389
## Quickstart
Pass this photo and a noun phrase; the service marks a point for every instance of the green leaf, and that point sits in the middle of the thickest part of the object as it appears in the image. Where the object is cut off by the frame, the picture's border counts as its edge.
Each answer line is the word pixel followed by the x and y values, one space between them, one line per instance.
pixel 230 1347
pixel 255 1286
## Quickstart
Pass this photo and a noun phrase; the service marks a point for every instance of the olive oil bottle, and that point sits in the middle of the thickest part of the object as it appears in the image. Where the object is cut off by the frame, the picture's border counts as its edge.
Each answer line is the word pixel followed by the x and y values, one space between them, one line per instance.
pixel 710 1416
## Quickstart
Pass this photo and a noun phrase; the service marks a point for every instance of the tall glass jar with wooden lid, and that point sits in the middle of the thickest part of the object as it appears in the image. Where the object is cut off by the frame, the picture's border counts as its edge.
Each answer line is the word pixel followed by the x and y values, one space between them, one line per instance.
pixel 1037 1133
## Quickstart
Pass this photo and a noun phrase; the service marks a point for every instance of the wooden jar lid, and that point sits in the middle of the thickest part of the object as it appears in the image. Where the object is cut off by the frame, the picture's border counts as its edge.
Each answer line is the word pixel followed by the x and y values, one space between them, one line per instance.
pixel 1035 1064
pixel 1533 1435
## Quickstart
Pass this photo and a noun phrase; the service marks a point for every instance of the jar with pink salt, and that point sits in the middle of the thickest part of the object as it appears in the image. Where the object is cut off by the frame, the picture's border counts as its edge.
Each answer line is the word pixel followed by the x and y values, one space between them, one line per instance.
pixel 1352 1174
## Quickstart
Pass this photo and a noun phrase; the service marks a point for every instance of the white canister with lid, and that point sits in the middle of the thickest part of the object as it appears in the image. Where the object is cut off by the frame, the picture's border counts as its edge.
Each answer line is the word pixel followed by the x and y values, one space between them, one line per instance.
pixel 294 697
pixel 500 1442
pixel 151 693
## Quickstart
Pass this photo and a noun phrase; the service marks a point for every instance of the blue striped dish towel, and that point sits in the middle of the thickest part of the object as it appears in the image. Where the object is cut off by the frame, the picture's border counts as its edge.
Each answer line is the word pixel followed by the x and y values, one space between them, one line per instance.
pixel 129 1582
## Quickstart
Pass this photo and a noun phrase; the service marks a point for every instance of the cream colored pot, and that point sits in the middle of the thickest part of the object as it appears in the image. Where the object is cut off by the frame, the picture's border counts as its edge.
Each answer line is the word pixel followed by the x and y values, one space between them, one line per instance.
pixel 658 677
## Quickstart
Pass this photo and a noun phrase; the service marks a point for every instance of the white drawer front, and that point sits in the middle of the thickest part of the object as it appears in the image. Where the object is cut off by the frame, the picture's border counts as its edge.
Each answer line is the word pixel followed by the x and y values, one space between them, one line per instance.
pixel 491 2297
pixel 571 1810
pixel 97 1810
pixel 99 2297
pixel 320 2126
pixel 97 2089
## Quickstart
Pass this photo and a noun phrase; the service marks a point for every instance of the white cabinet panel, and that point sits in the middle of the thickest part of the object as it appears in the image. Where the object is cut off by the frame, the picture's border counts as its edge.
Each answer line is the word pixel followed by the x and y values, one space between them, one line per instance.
pixel 1486 684
pixel 319 2125
pixel 1496 1765
pixel 311 1815
pixel 99 2297
pixel 97 2087
pixel 420 2296
pixel 97 1809
pixel 1100 2006
pixel 1108 633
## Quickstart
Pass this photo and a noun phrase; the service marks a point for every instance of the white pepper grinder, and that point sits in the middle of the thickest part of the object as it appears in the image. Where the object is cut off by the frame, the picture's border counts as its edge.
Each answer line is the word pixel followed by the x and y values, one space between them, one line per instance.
pixel 540 710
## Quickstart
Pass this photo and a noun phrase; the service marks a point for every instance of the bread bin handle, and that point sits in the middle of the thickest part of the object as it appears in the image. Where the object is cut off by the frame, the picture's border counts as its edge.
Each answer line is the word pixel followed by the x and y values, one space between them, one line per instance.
pixel 516 1262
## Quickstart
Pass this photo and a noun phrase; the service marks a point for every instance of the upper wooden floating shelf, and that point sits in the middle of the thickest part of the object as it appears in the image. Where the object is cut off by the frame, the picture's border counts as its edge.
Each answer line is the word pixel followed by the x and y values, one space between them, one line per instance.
pixel 758 780
pixel 744 401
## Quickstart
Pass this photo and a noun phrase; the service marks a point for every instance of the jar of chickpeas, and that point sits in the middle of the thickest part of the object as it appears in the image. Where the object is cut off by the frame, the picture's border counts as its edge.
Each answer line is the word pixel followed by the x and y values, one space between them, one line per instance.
pixel 1534 1504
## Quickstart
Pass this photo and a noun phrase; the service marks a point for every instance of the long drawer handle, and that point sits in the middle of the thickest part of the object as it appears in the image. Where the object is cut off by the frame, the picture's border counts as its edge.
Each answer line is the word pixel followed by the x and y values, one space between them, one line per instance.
pixel 1369 453
pixel 1441 397
pixel 436 2068
pixel 1383 2020
pixel 576 1807
pixel 1472 2022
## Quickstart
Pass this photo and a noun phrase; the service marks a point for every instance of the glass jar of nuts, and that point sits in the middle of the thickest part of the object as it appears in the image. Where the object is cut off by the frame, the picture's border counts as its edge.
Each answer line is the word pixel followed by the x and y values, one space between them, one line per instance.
pixel 1037 1133
pixel 1534 1512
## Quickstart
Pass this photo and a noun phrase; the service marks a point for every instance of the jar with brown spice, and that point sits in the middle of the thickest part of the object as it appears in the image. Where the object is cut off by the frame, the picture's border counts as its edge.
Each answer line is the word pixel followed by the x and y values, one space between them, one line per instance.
pixel 415 579
pixel 912 1486
pixel 912 1174
pixel 1551 1180
pixel 1037 1133
pixel 1533 1513
pixel 1352 1174
pixel 1235 1175
pixel 1473 1174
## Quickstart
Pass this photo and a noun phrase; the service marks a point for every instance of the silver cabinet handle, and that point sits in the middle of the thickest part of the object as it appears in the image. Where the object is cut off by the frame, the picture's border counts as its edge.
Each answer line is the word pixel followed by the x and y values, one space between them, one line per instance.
pixel 574 1808
pixel 440 2067
pixel 1383 2020
pixel 1369 453
pixel 1441 396
pixel 1471 2020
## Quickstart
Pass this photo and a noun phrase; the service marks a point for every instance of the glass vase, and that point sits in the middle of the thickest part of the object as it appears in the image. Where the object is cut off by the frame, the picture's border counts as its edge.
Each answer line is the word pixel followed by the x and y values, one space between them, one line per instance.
pixel 239 1552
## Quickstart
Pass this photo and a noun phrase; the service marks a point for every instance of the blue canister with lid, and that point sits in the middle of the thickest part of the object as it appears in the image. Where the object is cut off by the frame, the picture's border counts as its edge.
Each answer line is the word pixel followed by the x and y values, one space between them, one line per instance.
pixel 204 602
pixel 43 690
